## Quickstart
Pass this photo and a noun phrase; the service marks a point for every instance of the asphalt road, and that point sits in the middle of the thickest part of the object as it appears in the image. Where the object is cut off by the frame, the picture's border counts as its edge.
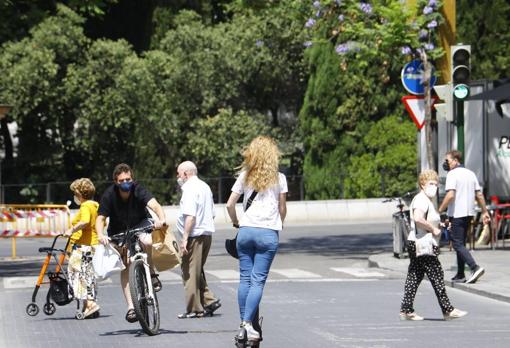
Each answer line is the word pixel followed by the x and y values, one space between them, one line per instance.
pixel 320 293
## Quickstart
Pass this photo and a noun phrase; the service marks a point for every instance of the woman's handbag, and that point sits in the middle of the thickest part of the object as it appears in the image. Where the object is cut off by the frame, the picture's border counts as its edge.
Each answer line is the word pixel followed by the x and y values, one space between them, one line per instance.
pixel 106 260
pixel 165 250
pixel 231 244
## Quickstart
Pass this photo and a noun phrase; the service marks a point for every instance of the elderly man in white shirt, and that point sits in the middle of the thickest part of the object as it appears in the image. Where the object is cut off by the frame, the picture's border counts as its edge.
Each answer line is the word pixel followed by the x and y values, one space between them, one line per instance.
pixel 196 225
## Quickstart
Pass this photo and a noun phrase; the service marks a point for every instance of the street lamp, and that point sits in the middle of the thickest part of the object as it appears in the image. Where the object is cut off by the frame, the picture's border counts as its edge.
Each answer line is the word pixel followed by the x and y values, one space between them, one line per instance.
pixel 4 110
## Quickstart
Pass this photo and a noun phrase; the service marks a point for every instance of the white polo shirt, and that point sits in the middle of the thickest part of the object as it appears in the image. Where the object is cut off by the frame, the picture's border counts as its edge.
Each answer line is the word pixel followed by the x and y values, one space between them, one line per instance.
pixel 197 201
pixel 264 211
pixel 465 183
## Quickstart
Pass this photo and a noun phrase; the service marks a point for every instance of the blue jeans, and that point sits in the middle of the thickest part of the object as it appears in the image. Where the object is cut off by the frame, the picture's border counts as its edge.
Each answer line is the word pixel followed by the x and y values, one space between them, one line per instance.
pixel 256 248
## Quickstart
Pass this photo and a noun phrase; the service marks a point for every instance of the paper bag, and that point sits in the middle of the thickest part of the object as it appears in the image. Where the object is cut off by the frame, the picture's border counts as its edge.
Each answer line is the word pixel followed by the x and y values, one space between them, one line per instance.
pixel 165 250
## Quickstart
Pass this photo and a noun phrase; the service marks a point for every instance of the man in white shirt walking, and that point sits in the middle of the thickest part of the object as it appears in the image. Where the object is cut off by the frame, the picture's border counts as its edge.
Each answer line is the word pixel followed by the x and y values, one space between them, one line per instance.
pixel 462 188
pixel 196 225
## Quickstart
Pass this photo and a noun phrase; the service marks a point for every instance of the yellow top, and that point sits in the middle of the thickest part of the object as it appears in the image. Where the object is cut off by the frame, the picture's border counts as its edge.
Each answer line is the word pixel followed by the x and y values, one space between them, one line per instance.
pixel 88 214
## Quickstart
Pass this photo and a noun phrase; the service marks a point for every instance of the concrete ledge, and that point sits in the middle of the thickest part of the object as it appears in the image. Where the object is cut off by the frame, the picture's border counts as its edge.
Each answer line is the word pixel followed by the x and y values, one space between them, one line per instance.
pixel 318 212
pixel 310 212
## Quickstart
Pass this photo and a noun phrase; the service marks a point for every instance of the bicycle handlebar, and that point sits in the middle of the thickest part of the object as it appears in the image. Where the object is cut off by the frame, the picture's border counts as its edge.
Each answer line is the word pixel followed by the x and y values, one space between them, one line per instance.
pixel 405 195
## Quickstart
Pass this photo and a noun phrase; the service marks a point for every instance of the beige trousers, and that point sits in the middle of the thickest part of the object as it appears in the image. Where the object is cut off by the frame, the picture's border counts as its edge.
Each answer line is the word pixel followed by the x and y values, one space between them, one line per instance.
pixel 197 293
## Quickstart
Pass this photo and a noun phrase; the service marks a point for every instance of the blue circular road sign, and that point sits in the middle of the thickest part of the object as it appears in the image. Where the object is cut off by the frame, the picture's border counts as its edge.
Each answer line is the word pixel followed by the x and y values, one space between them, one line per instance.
pixel 412 77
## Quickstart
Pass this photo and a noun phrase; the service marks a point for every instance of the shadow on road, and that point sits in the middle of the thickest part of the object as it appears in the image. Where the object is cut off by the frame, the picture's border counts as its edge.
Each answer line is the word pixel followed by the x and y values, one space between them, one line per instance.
pixel 338 245
pixel 139 332
pixel 23 268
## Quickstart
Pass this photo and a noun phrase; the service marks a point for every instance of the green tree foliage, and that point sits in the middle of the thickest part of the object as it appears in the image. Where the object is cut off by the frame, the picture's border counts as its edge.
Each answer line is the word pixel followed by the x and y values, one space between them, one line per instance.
pixel 83 105
pixel 483 25
pixel 382 169
pixel 33 71
pixel 19 16
pixel 217 141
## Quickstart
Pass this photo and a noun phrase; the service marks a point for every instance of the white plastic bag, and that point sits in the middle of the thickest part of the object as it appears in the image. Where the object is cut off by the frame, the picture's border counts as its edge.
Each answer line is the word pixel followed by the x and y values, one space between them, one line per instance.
pixel 106 261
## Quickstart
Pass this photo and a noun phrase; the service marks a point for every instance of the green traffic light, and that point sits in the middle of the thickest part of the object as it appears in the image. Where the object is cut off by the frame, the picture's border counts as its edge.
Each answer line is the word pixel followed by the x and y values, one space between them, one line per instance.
pixel 461 91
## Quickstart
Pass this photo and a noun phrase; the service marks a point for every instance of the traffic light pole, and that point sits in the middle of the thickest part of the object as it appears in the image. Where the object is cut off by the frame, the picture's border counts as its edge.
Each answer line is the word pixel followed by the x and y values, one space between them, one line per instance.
pixel 460 125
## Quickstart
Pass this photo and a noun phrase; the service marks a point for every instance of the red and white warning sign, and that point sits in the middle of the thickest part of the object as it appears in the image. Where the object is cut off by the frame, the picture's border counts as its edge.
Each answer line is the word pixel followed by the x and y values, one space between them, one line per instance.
pixel 415 105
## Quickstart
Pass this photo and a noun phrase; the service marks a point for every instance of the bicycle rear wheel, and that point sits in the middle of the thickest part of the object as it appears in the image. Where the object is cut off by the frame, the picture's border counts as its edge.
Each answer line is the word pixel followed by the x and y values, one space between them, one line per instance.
pixel 146 306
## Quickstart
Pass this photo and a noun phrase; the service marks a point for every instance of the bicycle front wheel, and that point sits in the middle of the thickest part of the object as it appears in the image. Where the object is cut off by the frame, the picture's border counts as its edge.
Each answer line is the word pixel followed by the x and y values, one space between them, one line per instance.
pixel 146 306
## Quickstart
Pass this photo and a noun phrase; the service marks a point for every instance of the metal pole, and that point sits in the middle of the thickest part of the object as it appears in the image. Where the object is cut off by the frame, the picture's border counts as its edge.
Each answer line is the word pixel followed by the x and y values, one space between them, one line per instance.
pixel 460 127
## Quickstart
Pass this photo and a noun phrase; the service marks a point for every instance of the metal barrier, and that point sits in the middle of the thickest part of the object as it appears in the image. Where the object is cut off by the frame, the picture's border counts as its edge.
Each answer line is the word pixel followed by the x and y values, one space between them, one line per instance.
pixel 33 221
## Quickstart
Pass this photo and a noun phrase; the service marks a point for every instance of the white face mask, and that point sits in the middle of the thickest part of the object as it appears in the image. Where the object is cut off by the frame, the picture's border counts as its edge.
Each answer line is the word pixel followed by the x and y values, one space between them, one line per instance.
pixel 180 181
pixel 430 190
pixel 77 200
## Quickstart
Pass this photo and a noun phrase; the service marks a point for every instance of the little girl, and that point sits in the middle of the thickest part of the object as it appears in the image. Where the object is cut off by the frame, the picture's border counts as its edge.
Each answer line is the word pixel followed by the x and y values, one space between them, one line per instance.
pixel 83 239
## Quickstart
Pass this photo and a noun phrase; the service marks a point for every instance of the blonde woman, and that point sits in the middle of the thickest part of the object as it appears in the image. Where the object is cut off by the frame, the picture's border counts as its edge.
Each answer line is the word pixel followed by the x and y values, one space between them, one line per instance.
pixel 83 238
pixel 257 240
pixel 423 251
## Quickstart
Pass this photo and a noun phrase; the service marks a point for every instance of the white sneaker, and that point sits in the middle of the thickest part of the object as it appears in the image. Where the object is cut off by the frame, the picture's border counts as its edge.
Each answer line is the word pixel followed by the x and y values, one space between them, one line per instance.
pixel 410 316
pixel 475 275
pixel 455 314
pixel 251 333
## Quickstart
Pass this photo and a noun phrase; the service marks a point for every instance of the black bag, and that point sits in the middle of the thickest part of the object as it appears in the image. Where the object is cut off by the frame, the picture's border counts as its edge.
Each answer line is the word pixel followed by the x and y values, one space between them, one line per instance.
pixel 230 244
pixel 60 292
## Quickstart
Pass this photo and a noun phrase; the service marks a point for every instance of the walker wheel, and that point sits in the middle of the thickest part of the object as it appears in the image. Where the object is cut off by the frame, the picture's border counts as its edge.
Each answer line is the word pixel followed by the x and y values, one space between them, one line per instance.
pixel 49 308
pixel 32 309
pixel 79 315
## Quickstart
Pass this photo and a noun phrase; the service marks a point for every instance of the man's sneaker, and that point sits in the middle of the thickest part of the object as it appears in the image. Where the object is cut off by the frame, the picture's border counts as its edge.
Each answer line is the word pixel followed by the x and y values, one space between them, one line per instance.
pixel 410 316
pixel 475 275
pixel 455 314
pixel 459 279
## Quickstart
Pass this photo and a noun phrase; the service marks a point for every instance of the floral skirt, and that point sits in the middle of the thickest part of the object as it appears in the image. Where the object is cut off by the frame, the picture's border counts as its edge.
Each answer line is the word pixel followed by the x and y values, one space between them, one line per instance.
pixel 81 274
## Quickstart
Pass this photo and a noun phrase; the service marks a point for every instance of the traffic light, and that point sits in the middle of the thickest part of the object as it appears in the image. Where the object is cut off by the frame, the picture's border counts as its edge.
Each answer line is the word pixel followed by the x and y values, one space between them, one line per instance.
pixel 444 110
pixel 461 70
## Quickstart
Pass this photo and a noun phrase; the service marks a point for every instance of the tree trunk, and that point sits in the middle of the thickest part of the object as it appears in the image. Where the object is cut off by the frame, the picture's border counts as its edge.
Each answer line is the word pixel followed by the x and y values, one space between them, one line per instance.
pixel 427 72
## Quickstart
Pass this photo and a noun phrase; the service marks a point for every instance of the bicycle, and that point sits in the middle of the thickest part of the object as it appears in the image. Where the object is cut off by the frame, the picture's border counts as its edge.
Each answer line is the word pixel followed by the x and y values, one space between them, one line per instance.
pixel 144 297
pixel 401 226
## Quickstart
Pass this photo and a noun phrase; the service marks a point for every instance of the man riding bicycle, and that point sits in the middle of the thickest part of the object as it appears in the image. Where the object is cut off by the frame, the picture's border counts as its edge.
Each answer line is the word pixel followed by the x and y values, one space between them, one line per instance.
pixel 125 203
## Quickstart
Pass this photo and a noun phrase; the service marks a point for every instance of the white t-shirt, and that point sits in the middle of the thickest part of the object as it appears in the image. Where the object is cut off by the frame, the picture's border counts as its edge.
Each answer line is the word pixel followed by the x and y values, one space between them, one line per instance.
pixel 264 210
pixel 197 201
pixel 423 203
pixel 465 183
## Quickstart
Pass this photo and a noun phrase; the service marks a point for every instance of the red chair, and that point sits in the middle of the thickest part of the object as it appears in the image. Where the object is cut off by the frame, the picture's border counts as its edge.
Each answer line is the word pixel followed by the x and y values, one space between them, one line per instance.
pixel 500 217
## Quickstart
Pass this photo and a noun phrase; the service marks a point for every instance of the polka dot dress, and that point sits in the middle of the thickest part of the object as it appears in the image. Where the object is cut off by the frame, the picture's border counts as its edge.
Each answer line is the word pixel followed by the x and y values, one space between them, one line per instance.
pixel 419 266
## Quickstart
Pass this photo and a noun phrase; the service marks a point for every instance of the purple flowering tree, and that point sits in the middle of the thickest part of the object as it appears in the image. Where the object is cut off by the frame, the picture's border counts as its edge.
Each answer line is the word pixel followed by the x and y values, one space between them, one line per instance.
pixel 356 49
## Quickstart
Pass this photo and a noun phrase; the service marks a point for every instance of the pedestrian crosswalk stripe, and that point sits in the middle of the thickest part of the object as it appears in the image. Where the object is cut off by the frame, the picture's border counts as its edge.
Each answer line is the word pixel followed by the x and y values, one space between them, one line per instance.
pixel 19 282
pixel 30 281
pixel 358 272
pixel 294 273
pixel 224 274
pixel 169 276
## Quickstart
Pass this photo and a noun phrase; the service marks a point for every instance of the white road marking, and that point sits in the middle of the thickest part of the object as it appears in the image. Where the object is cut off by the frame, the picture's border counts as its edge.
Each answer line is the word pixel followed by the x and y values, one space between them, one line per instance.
pixel 224 274
pixel 294 273
pixel 169 276
pixel 19 282
pixel 358 272
pixel 308 280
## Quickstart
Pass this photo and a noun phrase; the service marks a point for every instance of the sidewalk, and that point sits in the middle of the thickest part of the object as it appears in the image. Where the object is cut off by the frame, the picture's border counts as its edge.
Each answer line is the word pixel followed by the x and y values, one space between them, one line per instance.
pixel 495 283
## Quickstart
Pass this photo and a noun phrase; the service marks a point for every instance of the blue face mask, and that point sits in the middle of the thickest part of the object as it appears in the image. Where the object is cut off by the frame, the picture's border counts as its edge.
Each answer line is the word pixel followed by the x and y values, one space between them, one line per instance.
pixel 125 186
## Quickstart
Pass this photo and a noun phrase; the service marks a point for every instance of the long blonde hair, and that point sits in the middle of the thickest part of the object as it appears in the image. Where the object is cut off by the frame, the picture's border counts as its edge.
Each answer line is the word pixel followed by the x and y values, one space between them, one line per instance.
pixel 261 158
